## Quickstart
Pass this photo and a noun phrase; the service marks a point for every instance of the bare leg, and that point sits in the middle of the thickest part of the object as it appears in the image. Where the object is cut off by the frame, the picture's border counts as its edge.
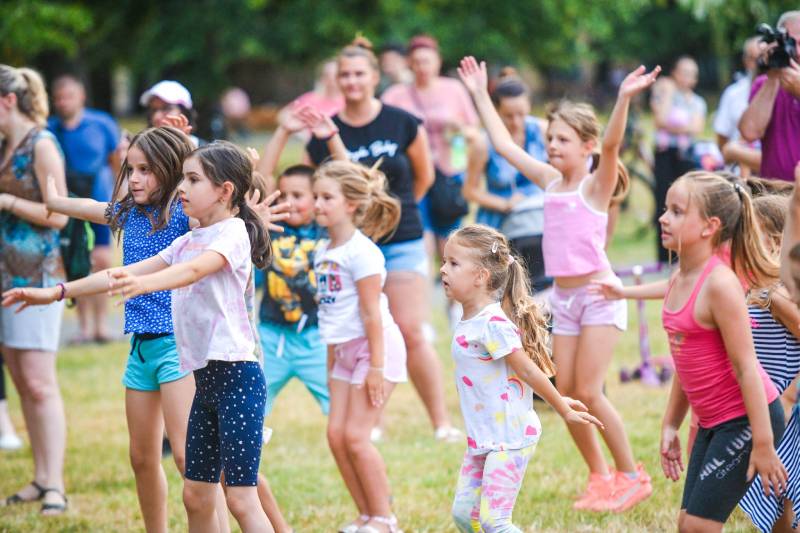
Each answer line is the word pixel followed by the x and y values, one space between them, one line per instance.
pixel 246 508
pixel 270 506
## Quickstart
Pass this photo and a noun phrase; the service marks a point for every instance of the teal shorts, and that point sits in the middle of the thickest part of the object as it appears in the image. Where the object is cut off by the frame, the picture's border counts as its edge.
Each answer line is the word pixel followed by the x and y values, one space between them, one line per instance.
pixel 289 354
pixel 152 362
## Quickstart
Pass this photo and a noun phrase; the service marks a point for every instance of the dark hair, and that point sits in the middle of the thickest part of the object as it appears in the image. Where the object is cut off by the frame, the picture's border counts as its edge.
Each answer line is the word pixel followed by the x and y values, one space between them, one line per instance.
pixel 423 41
pixel 508 87
pixel 164 149
pixel 305 171
pixel 394 47
pixel 223 161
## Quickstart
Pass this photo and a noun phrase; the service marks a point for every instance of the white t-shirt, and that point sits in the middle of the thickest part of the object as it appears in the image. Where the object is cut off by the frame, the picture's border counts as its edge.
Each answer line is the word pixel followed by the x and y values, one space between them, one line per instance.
pixel 732 106
pixel 337 271
pixel 497 406
pixel 213 317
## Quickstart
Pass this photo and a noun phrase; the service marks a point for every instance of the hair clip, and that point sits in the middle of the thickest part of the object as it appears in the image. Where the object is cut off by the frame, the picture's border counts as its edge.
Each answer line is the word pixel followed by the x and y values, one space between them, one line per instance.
pixel 494 247
pixel 511 260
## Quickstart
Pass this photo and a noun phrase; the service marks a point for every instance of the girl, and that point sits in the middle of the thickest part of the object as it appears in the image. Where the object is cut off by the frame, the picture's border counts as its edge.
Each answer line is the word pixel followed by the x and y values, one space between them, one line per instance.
pixel 365 346
pixel 500 351
pixel 31 257
pixel 373 132
pixel 585 327
pixel 717 373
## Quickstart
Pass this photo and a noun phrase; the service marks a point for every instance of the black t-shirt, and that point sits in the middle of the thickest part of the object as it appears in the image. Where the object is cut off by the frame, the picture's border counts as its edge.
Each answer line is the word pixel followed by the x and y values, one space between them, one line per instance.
pixel 387 137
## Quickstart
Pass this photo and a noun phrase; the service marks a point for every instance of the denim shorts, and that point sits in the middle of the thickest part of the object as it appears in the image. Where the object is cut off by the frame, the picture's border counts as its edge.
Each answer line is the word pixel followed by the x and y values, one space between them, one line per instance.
pixel 406 256
pixel 153 361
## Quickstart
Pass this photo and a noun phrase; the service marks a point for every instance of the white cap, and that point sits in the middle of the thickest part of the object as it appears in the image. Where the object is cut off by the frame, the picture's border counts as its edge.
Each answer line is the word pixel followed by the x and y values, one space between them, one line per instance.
pixel 170 91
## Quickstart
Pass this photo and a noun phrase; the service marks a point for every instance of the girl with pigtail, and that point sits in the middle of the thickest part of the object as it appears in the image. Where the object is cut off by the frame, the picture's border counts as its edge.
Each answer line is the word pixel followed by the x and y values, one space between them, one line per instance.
pixel 501 356
pixel 366 353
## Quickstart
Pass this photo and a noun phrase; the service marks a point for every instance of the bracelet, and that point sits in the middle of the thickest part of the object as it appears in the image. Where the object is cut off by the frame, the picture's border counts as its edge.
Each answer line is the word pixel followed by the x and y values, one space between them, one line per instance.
pixel 63 291
pixel 331 136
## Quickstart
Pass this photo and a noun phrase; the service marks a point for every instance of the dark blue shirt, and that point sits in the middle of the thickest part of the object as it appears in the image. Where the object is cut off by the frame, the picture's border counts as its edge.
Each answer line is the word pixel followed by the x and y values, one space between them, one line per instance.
pixel 149 313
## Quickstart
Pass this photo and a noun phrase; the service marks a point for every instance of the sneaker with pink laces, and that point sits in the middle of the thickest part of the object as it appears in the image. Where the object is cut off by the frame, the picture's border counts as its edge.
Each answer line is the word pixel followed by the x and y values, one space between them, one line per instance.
pixel 629 492
pixel 597 494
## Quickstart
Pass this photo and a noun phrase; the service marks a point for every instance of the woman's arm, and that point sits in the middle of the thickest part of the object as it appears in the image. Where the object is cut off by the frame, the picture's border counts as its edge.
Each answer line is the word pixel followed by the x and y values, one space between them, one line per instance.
pixel 419 153
pixel 473 190
pixel 729 313
pixel 369 294
pixel 570 410
pixel 475 79
pixel 82 208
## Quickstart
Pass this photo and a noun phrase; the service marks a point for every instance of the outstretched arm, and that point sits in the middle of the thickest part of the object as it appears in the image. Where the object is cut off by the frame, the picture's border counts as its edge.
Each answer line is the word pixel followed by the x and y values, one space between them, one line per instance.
pixel 604 181
pixel 82 208
pixel 475 79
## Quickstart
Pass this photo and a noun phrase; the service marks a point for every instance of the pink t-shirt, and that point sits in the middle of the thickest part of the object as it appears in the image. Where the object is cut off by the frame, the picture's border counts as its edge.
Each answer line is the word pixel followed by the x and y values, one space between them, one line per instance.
pixel 326 106
pixel 780 145
pixel 444 108
pixel 213 317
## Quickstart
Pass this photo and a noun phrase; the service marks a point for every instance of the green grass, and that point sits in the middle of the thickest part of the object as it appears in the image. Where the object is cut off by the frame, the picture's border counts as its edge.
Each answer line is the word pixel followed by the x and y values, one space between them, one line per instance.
pixel 303 475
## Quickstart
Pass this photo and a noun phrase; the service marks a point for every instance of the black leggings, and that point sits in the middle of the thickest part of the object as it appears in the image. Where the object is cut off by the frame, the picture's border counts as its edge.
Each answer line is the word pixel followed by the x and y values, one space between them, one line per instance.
pixel 530 249
pixel 669 166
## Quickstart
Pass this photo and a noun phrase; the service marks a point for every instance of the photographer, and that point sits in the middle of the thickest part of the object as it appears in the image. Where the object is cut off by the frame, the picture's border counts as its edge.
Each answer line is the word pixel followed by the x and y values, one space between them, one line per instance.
pixel 773 115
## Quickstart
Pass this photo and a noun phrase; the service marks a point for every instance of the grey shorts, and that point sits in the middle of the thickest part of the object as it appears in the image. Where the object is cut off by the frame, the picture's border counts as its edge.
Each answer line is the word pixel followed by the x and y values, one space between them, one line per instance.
pixel 35 328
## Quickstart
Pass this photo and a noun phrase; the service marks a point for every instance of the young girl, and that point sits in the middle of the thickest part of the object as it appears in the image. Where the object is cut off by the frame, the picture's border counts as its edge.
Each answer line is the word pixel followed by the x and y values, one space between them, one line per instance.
pixel 718 375
pixel 500 351
pixel 585 327
pixel 366 353
pixel 216 340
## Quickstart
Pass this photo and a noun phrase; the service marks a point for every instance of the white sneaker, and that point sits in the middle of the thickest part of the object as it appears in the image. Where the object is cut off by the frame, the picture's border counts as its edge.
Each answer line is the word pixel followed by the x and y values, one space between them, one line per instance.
pixel 10 442
pixel 266 435
pixel 376 435
pixel 449 434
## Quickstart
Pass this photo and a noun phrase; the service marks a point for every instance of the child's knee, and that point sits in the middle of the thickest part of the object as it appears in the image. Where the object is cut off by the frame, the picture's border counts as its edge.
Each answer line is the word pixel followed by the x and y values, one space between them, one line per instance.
pixel 199 497
pixel 240 500
pixel 143 462
pixel 335 435
pixel 356 440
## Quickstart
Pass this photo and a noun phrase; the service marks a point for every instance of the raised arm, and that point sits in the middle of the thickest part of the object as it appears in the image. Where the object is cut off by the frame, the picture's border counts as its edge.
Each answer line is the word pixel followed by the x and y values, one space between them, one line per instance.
pixel 604 181
pixel 758 114
pixel 290 123
pixel 475 80
pixel 82 208
pixel 322 127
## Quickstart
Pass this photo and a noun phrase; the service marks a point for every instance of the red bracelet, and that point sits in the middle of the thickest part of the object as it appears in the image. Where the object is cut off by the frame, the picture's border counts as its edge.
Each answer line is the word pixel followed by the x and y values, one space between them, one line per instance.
pixel 63 291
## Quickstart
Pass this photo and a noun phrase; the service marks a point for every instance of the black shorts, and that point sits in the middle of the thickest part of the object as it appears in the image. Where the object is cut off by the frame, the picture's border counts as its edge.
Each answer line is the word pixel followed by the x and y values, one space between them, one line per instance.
pixel 716 479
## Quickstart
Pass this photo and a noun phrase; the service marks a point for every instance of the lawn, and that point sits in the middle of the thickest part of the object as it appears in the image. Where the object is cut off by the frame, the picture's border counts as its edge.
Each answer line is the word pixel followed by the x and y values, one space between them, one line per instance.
pixel 297 462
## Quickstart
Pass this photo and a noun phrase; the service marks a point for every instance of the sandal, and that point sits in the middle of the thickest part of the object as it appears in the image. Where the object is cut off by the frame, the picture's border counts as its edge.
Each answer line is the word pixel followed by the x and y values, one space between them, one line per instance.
pixel 353 527
pixel 16 499
pixel 54 509
pixel 390 521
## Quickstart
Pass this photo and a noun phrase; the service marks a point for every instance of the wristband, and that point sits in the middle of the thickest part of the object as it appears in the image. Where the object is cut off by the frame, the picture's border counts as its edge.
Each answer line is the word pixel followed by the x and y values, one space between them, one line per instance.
pixel 63 291
pixel 331 136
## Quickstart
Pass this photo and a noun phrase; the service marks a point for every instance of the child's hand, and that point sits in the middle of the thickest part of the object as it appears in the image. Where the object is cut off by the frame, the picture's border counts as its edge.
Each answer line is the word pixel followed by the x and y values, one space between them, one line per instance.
pixel 575 405
pixel 472 75
pixel 765 462
pixel 268 213
pixel 374 383
pixel 292 121
pixel 30 296
pixel 607 289
pixel 637 81
pixel 179 122
pixel 582 417
pixel 125 284
pixel 671 462
pixel 254 156
pixel 321 125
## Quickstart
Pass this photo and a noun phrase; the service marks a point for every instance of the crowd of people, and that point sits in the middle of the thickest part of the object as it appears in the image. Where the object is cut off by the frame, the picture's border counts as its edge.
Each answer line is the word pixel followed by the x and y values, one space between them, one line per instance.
pixel 347 238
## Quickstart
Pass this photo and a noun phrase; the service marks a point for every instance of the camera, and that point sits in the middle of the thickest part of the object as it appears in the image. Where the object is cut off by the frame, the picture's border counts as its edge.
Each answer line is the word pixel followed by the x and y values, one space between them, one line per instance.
pixel 780 55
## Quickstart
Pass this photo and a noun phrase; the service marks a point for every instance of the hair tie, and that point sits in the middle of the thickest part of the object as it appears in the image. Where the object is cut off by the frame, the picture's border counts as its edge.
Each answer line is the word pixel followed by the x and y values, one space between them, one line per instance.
pixel 739 190
pixel 495 245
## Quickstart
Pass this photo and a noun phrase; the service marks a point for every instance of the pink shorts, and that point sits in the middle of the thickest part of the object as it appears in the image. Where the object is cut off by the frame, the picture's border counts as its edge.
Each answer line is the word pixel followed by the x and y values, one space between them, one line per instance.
pixel 351 358
pixel 576 307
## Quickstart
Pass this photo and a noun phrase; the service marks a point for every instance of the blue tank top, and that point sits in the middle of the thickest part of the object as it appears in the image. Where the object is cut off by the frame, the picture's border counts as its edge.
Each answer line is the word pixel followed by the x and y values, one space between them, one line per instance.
pixel 503 179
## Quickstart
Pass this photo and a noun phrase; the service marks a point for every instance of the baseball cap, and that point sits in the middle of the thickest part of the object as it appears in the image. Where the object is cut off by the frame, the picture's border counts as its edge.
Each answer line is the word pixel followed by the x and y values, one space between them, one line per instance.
pixel 170 91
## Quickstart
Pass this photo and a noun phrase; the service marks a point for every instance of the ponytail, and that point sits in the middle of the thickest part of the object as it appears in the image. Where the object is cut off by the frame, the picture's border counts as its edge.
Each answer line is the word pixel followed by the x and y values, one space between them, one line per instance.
pixel 623 185
pixel 260 248
pixel 31 94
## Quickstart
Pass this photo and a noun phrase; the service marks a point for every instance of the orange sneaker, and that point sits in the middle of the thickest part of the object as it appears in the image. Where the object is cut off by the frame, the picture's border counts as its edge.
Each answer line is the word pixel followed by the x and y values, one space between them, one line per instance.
pixel 597 494
pixel 629 492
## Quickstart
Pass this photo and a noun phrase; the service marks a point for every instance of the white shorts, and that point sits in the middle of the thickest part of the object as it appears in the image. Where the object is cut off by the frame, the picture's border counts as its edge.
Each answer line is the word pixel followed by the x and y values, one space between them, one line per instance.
pixel 36 328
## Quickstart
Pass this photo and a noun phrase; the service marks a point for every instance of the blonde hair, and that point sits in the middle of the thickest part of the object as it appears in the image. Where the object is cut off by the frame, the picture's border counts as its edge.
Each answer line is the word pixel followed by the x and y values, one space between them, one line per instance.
pixel 377 212
pixel 771 212
pixel 508 278
pixel 360 47
pixel 733 206
pixel 31 94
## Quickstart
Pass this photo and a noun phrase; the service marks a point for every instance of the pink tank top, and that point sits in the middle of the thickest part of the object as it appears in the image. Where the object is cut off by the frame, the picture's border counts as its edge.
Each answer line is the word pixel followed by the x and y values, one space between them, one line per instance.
pixel 574 238
pixel 702 363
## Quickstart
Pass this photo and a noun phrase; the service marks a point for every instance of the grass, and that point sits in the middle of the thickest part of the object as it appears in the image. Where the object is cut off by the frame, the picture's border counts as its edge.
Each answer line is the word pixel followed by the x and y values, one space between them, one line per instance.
pixel 300 467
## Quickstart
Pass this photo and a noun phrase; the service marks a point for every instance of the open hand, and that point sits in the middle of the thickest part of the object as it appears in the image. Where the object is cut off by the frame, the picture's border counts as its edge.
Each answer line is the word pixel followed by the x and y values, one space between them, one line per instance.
pixel 291 120
pixel 30 296
pixel 608 289
pixel 268 213
pixel 374 383
pixel 582 417
pixel 765 462
pixel 473 75
pixel 671 462
pixel 179 122
pixel 637 81
pixel 320 124
pixel 125 284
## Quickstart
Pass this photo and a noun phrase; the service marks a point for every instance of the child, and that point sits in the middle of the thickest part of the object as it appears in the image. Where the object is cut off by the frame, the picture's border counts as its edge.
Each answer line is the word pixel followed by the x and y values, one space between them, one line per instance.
pixel 717 373
pixel 585 327
pixel 500 351
pixel 366 353
pixel 216 340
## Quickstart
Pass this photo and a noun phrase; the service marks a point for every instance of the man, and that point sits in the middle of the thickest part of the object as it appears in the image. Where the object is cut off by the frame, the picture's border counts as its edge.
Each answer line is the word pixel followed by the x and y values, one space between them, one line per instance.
pixel 773 115
pixel 89 139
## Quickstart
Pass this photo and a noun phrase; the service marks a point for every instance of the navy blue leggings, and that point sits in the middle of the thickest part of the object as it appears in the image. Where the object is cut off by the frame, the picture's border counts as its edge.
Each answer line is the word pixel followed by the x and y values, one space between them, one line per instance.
pixel 226 423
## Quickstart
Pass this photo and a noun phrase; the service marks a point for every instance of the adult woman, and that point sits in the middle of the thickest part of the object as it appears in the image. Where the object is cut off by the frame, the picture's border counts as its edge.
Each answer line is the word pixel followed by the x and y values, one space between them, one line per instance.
pixel 373 132
pixel 31 258
pixel 510 202
pixel 445 109
pixel 679 115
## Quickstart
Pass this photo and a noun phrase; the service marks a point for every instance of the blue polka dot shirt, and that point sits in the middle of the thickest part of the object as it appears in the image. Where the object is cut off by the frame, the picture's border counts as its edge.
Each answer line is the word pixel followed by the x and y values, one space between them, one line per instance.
pixel 149 313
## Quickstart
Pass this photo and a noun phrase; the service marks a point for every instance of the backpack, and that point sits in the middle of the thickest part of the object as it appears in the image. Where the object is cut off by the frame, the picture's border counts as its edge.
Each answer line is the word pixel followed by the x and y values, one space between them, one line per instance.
pixel 76 240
